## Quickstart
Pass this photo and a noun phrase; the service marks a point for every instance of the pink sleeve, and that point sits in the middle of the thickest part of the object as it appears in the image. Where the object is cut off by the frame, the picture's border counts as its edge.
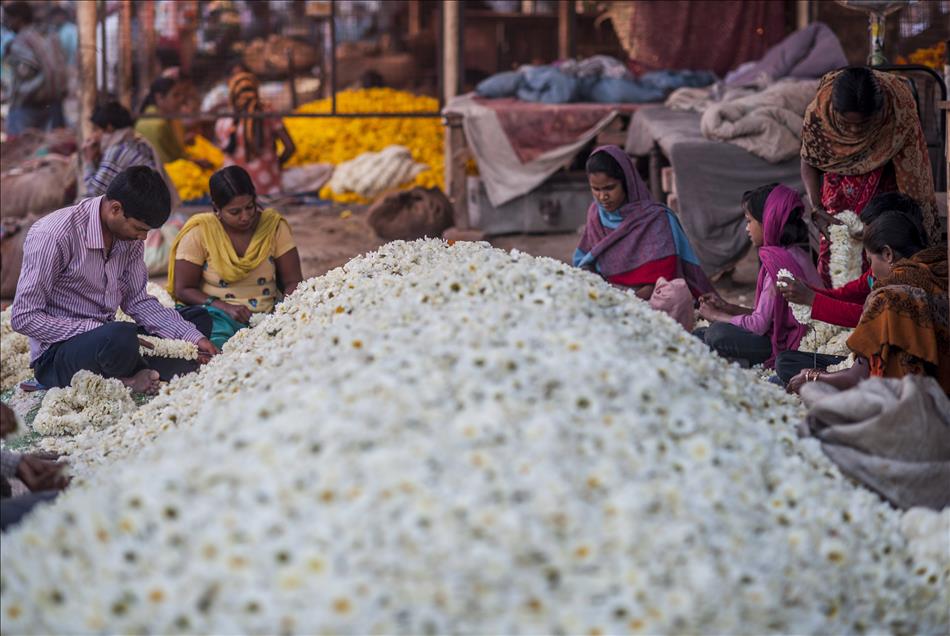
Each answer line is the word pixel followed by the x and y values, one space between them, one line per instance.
pixel 760 320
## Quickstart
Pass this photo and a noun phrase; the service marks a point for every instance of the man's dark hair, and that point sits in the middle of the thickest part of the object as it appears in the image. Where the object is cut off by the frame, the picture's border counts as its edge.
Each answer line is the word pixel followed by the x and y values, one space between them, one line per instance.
pixel 113 114
pixel 20 10
pixel 893 202
pixel 143 194
pixel 856 91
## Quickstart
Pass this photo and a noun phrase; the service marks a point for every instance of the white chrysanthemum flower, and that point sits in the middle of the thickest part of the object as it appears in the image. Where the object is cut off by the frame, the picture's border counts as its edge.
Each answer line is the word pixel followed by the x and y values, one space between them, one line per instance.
pixel 14 354
pixel 846 248
pixel 89 401
pixel 416 434
pixel 169 348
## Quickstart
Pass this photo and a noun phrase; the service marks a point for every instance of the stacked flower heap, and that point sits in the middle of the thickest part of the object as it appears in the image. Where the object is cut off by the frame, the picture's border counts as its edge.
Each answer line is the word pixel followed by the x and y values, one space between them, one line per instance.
pixel 336 140
pixel 491 443
pixel 14 354
pixel 190 179
pixel 89 400
pixel 846 261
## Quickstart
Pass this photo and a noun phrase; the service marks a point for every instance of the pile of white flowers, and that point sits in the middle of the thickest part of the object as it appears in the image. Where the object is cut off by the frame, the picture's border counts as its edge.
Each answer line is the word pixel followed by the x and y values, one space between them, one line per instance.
pixel 14 354
pixel 455 439
pixel 90 400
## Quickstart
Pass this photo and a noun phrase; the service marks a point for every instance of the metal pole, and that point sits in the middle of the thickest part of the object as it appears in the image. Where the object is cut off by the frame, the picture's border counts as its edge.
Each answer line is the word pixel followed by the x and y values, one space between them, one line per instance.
pixel 147 59
pixel 102 13
pixel 333 56
pixel 86 23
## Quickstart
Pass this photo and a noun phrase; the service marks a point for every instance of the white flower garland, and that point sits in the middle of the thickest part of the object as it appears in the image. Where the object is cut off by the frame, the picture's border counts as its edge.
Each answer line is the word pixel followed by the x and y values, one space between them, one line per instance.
pixel 458 439
pixel 89 400
pixel 846 248
pixel 169 348
pixel 14 354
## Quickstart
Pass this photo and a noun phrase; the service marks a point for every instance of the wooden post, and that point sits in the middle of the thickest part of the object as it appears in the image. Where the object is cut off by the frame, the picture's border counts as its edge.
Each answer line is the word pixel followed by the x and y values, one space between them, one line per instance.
pixel 802 13
pixel 86 23
pixel 415 17
pixel 451 49
pixel 125 54
pixel 189 28
pixel 146 15
pixel 456 155
pixel 565 29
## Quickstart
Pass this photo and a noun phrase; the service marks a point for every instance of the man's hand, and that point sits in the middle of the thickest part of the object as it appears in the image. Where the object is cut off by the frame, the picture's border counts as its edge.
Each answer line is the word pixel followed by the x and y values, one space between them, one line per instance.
pixel 206 350
pixel 41 474
pixel 795 291
pixel 91 150
pixel 7 420
pixel 146 344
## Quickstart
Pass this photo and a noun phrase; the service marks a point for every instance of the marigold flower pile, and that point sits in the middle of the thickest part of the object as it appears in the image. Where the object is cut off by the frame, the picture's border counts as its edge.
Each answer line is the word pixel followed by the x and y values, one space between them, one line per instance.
pixel 191 180
pixel 491 443
pixel 335 140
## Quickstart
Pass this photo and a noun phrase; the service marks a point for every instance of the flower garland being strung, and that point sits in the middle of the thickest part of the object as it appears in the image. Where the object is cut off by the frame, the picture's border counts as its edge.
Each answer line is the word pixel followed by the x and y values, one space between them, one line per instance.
pixel 842 306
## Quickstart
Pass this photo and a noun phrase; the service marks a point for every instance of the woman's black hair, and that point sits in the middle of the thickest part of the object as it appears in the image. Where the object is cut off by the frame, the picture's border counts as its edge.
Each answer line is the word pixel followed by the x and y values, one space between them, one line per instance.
pixel 228 183
pixel 856 90
pixel 896 231
pixel 895 202
pixel 112 113
pixel 602 162
pixel 160 86
pixel 143 194
pixel 795 231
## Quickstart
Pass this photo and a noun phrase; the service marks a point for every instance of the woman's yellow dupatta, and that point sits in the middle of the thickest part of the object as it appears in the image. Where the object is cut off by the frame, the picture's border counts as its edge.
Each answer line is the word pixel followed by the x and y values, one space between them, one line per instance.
pixel 224 259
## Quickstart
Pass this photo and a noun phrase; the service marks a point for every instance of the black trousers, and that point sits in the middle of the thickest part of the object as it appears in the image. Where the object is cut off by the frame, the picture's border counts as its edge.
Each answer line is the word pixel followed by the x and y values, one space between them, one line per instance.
pixel 112 351
pixel 736 343
pixel 14 509
pixel 789 363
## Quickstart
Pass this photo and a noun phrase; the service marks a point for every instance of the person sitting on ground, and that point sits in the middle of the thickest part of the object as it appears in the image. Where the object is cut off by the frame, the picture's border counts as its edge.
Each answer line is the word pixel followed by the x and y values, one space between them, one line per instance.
pixel 81 264
pixel 891 235
pixel 904 327
pixel 630 239
pixel 40 476
pixel 115 146
pixel 250 142
pixel 167 136
pixel 862 136
pixel 755 336
pixel 236 260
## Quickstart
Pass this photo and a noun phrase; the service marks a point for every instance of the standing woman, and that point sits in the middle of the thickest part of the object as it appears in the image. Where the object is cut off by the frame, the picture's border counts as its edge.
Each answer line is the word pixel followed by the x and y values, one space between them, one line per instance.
pixel 862 136
pixel 251 142
pixel 233 261
pixel 630 239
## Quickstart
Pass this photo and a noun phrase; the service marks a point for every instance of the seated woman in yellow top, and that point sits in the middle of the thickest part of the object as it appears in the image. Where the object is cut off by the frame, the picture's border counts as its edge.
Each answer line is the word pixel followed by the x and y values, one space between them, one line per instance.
pixel 236 260
pixel 167 136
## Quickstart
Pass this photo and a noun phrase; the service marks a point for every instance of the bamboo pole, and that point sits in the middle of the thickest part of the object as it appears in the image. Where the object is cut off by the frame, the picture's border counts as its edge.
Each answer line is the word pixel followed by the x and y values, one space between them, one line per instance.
pixel 415 17
pixel 451 48
pixel 86 23
pixel 125 54
pixel 146 9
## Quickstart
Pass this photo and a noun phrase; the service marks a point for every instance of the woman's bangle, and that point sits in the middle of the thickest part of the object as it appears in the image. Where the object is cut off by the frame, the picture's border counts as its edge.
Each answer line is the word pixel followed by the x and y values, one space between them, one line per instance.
pixel 812 375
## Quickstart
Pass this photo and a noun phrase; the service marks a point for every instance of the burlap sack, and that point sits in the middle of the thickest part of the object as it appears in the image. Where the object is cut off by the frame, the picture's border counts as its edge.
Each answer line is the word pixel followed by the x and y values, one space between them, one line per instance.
pixel 411 215
pixel 39 186
pixel 11 253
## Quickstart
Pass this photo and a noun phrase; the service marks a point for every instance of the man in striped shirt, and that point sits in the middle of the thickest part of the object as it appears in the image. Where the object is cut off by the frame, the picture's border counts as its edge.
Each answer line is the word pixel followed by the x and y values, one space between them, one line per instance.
pixel 80 264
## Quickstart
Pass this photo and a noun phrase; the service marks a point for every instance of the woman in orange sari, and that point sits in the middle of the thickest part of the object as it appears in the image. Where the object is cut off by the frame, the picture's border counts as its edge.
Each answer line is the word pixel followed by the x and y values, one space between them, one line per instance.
pixel 862 136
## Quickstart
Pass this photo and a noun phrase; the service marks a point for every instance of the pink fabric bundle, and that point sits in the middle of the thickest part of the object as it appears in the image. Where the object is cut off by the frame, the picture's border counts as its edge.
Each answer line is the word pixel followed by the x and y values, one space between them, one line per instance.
pixel 674 299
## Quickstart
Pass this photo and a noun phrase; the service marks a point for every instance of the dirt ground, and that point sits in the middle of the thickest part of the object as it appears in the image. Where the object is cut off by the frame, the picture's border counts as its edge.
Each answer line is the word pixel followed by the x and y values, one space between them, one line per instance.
pixel 329 236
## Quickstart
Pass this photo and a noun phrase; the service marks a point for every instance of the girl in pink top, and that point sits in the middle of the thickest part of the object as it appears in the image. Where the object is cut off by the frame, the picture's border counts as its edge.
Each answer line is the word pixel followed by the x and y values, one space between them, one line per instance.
pixel 755 336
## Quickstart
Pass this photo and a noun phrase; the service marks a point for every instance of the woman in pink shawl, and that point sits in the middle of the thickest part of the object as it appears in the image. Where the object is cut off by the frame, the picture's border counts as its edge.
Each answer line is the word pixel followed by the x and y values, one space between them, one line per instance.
pixel 755 336
pixel 630 239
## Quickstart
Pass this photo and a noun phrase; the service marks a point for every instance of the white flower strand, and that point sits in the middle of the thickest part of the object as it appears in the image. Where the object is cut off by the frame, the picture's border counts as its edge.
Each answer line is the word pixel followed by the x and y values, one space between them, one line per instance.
pixel 89 401
pixel 14 354
pixel 169 348
pixel 846 248
pixel 473 452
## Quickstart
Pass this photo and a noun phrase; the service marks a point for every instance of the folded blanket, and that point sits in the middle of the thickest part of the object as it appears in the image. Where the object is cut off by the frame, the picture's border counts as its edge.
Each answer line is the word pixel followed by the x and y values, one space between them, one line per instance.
pixel 892 435
pixel 807 53
pixel 767 124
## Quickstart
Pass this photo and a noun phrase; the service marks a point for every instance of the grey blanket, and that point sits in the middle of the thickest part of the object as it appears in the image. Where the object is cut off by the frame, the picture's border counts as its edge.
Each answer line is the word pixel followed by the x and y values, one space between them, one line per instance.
pixel 710 177
pixel 892 435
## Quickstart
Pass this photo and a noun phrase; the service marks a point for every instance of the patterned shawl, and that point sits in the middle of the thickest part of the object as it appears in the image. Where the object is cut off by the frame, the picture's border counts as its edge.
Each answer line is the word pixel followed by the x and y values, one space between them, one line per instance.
pixel 904 327
pixel 894 135
pixel 648 231
pixel 786 331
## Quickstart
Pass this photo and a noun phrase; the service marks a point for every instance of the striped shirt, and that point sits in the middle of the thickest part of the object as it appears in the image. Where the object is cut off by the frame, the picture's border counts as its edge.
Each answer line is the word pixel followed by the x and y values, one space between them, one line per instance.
pixel 69 286
pixel 116 158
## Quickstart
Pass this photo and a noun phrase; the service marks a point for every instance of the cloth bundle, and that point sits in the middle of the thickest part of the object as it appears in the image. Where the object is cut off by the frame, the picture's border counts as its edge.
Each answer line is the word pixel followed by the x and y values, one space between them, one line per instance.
pixel 372 173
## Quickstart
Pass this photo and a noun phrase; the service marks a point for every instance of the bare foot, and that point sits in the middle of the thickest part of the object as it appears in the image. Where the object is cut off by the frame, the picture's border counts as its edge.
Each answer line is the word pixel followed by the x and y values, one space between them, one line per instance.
pixel 145 381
